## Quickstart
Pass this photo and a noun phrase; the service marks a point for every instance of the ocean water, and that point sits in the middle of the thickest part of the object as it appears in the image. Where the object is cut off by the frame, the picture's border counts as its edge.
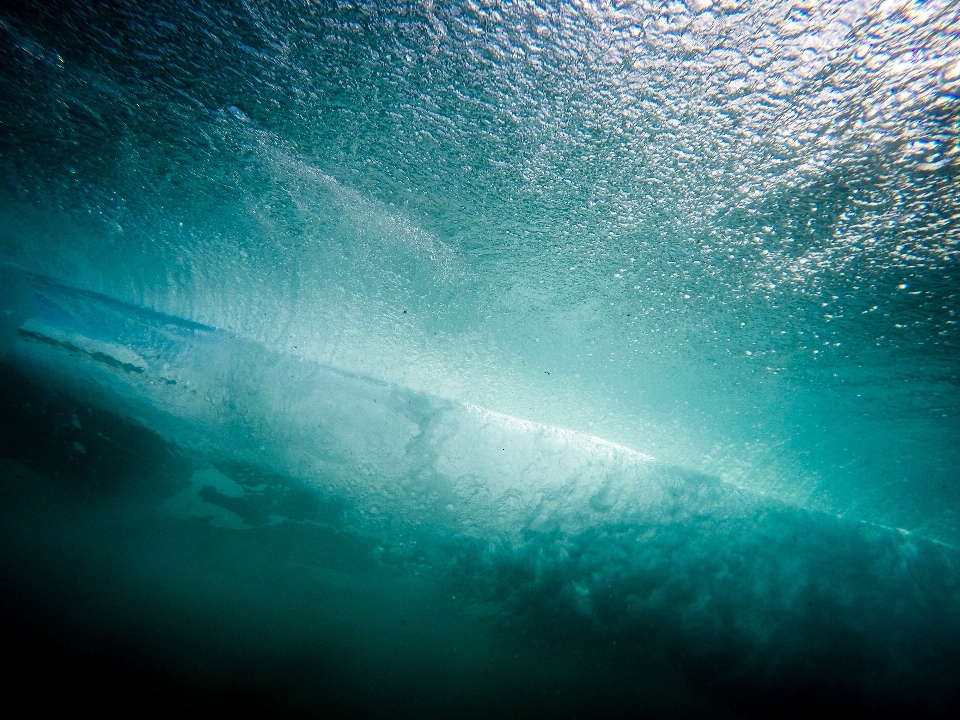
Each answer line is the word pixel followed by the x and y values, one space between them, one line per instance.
pixel 481 359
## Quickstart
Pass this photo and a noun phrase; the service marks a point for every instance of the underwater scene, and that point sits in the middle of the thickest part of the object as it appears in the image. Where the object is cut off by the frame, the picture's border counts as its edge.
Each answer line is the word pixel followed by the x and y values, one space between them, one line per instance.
pixel 481 359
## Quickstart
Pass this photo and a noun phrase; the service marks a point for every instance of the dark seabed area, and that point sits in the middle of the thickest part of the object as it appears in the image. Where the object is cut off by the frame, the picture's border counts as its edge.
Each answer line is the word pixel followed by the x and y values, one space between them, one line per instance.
pixel 110 600
pixel 107 602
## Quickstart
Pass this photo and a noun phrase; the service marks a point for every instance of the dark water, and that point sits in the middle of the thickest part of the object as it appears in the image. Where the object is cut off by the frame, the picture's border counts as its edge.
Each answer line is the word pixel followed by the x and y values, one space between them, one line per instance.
pixel 481 359
pixel 115 604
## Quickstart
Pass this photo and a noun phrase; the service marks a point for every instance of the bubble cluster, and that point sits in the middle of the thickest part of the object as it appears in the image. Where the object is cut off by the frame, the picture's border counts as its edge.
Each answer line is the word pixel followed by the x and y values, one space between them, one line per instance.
pixel 699 229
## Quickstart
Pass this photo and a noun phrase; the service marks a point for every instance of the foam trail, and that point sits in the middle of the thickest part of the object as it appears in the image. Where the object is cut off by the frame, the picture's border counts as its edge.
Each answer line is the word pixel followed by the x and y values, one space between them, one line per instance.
pixel 393 451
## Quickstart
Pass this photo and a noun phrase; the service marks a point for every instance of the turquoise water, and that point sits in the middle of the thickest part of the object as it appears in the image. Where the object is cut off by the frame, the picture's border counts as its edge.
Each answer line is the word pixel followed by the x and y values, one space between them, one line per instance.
pixel 502 359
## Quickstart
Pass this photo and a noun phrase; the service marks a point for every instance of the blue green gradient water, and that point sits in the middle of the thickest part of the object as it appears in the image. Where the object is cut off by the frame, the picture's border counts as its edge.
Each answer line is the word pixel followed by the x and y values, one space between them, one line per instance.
pixel 716 237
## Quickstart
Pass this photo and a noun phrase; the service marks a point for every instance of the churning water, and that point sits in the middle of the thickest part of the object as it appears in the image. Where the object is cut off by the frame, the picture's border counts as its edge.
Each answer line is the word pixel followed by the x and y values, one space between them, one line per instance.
pixel 487 359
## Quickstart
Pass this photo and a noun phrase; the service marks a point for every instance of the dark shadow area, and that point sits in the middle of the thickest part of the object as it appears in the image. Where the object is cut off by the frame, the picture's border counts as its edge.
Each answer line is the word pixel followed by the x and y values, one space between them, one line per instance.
pixel 110 606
